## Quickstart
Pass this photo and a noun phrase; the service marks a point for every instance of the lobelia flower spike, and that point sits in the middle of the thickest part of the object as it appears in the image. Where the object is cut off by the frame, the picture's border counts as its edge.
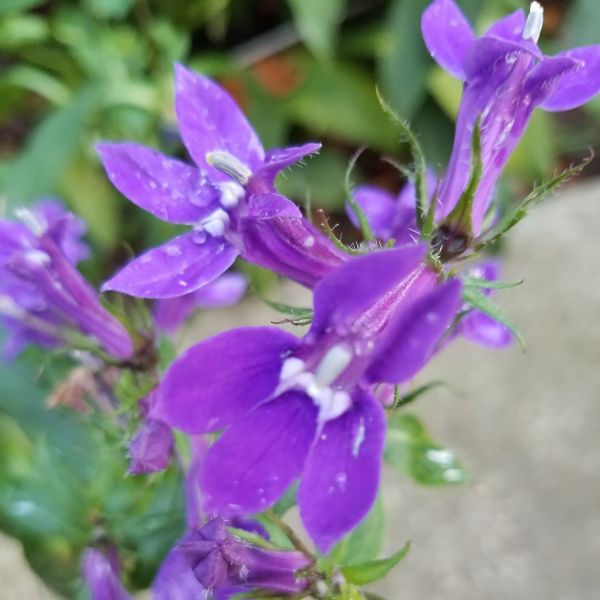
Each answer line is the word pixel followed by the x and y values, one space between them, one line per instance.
pixel 505 77
pixel 43 298
pixel 304 408
pixel 214 197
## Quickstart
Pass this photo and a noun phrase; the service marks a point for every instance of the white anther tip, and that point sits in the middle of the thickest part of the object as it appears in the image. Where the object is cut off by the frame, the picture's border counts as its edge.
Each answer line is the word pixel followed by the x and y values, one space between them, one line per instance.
pixel 534 23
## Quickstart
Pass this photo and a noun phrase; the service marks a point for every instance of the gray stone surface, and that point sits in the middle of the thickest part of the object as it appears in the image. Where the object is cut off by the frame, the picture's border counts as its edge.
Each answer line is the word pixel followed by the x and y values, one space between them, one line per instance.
pixel 527 425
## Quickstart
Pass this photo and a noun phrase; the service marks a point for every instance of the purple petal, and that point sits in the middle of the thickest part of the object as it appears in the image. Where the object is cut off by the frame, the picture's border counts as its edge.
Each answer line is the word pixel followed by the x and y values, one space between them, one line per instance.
pixel 275 236
pixel 150 448
pixel 101 579
pixel 175 579
pixel 510 27
pixel 65 229
pixel 482 329
pixel 359 283
pixel 578 86
pixel 167 188
pixel 227 290
pixel 216 382
pixel 495 57
pixel 342 473
pixel 210 120
pixel 178 267
pixel 547 76
pixel 278 159
pixel 448 35
pixel 379 208
pixel 257 459
pixel 414 334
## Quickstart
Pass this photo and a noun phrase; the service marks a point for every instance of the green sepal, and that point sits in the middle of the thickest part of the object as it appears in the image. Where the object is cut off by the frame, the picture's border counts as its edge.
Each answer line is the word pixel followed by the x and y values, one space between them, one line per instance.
pixel 537 195
pixel 287 501
pixel 365 227
pixel 401 400
pixel 374 570
pixel 420 165
pixel 251 538
pixel 461 217
pixel 480 301
pixel 486 284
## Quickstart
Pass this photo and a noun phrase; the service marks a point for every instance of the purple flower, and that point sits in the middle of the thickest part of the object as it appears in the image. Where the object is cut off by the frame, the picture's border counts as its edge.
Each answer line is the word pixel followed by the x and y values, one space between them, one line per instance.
pixel 150 448
pixel 171 313
pixel 102 577
pixel 43 298
pixel 505 77
pixel 213 197
pixel 304 408
pixel 390 217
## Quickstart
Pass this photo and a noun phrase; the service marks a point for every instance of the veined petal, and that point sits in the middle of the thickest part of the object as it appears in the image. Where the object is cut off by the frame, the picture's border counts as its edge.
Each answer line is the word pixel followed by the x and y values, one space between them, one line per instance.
pixel 102 580
pixel 414 334
pixel 496 56
pixel 216 382
pixel 175 579
pixel 547 76
pixel 278 159
pixel 167 188
pixel 578 86
pixel 357 284
pixel 275 236
pixel 178 267
pixel 448 35
pixel 342 473
pixel 257 459
pixel 210 120
pixel 510 27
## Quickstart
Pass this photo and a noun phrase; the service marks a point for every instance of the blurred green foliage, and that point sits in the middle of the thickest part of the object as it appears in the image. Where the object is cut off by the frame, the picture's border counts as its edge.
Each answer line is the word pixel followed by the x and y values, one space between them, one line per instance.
pixel 73 72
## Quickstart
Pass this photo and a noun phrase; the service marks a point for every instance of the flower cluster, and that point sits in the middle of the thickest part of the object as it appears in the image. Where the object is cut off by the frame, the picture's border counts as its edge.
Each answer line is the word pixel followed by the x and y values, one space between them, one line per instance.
pixel 265 410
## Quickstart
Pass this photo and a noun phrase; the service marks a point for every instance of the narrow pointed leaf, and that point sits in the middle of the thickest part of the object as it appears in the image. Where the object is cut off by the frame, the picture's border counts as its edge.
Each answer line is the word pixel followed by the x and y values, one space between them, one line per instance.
pixel 375 569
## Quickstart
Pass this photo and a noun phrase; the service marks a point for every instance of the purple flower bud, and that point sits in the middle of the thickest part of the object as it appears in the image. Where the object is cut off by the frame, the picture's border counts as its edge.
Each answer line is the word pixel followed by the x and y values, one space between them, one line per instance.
pixel 101 576
pixel 150 448
pixel 220 560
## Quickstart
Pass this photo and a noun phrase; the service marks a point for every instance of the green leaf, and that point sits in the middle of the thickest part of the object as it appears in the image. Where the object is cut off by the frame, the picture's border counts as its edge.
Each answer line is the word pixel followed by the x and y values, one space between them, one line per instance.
pixel 22 30
pixel 403 60
pixel 483 303
pixel 339 100
pixel 109 9
pixel 12 6
pixel 37 170
pixel 317 22
pixel 286 502
pixel 374 570
pixel 410 449
pixel 320 177
pixel 38 81
pixel 364 542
